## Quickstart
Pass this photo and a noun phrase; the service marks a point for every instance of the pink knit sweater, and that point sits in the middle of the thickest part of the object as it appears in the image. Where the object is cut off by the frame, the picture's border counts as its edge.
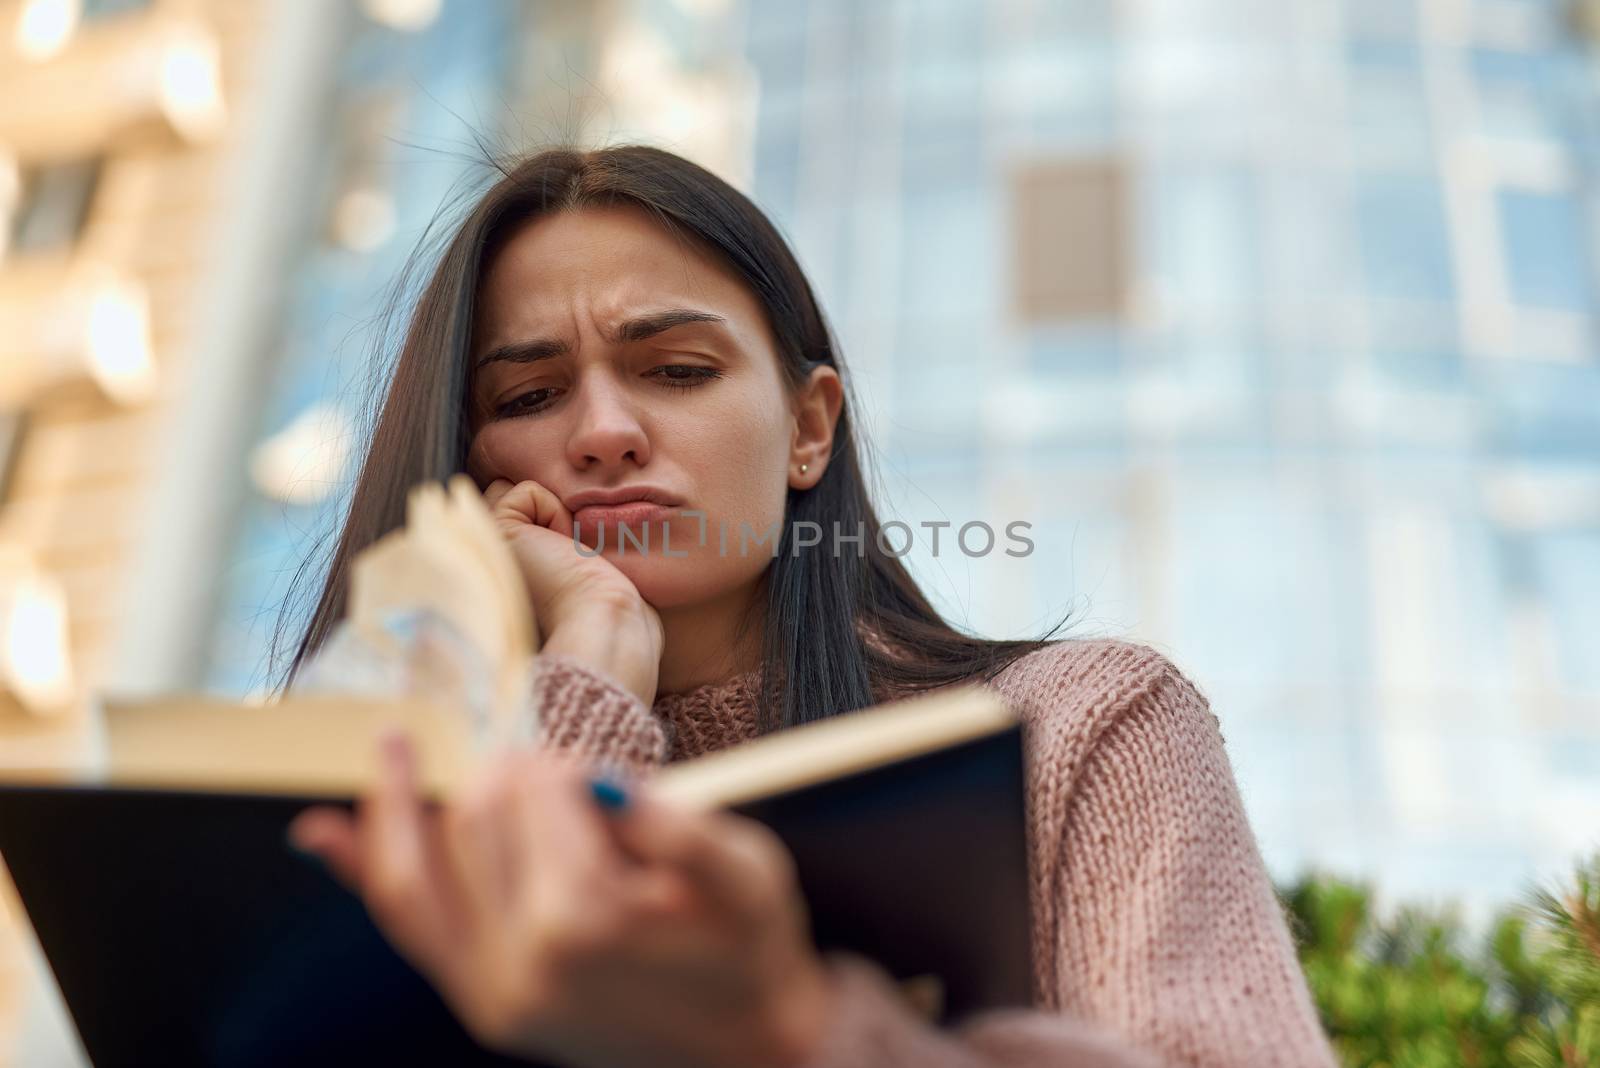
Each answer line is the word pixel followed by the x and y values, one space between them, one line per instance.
pixel 1157 938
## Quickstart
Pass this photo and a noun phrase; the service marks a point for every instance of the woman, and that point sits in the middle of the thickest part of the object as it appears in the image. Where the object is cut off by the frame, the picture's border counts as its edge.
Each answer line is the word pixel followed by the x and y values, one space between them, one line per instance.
pixel 621 325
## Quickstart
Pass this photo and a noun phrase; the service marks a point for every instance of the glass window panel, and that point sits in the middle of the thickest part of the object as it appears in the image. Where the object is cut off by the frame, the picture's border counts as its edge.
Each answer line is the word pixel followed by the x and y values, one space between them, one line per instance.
pixel 938 373
pixel 1569 568
pixel 1202 242
pixel 1419 367
pixel 943 144
pixel 1546 409
pixel 949 262
pixel 944 50
pixel 1405 246
pixel 1244 562
pixel 1381 19
pixel 783 24
pixel 1545 239
pixel 1388 103
pixel 1518 93
pixel 1417 346
pixel 1088 350
pixel 777 169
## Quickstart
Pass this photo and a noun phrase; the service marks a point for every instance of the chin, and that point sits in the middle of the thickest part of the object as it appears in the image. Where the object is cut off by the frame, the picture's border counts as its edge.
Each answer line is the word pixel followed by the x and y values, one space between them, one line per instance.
pixel 680 582
pixel 665 582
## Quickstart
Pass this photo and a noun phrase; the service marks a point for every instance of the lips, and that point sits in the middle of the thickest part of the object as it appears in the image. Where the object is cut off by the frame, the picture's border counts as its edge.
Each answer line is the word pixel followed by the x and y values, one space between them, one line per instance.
pixel 633 507
pixel 631 513
pixel 621 495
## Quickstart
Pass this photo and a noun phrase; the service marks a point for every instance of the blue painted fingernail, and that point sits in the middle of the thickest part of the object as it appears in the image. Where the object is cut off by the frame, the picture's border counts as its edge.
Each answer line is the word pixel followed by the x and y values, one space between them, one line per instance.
pixel 608 793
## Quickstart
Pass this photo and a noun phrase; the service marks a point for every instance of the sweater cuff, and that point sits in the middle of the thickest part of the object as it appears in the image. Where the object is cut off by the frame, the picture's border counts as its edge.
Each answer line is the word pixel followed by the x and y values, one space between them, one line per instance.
pixel 583 710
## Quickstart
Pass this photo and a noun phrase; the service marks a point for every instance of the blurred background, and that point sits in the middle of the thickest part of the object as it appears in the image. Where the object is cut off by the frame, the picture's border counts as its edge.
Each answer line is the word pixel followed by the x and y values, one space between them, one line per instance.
pixel 1275 318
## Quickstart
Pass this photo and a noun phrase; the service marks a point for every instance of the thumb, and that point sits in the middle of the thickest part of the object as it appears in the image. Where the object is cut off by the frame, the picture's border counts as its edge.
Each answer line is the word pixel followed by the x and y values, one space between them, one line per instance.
pixel 731 859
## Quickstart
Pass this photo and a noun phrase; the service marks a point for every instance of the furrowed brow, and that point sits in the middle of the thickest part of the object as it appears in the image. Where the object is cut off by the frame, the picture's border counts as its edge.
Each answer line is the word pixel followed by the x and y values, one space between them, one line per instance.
pixel 525 351
pixel 648 326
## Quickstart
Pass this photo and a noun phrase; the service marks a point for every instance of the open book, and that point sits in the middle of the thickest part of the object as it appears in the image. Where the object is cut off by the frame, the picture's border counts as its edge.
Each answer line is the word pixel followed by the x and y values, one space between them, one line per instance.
pixel 182 929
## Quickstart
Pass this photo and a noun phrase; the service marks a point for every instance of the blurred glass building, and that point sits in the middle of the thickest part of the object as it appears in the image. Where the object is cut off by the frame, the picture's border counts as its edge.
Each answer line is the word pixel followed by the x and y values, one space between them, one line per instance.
pixel 1276 322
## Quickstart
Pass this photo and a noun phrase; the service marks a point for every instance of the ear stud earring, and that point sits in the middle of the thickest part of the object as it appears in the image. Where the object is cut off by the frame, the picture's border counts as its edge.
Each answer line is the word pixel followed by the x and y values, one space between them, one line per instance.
pixel 804 468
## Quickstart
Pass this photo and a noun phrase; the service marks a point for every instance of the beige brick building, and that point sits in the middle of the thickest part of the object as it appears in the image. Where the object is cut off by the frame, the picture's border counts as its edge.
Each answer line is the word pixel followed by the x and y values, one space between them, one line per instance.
pixel 117 132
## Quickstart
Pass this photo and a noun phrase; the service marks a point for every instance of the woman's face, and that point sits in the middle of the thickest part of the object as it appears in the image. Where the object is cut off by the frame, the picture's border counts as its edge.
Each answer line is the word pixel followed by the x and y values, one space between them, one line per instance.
pixel 610 354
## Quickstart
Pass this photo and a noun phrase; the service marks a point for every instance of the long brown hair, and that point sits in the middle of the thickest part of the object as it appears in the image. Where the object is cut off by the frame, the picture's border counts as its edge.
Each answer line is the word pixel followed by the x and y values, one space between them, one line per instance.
pixel 813 665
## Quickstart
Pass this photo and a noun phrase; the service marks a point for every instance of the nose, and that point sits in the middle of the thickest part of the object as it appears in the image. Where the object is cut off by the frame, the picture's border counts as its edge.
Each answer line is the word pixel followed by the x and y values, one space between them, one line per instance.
pixel 607 431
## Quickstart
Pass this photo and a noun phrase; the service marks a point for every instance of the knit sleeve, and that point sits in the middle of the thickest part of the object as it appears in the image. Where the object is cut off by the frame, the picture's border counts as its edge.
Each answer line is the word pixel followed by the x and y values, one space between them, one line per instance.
pixel 1164 941
pixel 585 711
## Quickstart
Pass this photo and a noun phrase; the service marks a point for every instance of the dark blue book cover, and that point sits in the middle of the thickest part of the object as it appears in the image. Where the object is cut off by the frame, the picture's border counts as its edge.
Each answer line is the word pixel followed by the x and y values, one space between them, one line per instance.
pixel 183 930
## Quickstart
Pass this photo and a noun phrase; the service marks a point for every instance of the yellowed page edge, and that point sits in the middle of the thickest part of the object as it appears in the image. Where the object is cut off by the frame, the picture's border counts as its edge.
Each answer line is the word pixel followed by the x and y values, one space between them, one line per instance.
pixel 817 752
pixel 317 744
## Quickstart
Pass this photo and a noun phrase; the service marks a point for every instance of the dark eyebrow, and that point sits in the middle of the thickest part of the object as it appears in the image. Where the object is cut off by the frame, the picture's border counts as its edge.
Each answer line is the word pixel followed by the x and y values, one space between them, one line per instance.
pixel 630 330
pixel 525 351
pixel 646 326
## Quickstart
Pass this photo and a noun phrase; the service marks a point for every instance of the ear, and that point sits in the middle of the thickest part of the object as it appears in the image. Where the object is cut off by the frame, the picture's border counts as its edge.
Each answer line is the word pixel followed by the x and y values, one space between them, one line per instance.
pixel 816 412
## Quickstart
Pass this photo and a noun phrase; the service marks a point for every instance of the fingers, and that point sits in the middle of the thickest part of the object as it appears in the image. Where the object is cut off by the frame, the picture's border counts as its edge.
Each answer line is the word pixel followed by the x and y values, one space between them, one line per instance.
pixel 330 835
pixel 531 502
pixel 495 491
pixel 480 842
pixel 404 877
pixel 559 816
pixel 573 872
pixel 526 846
pixel 735 861
pixel 394 816
pixel 385 855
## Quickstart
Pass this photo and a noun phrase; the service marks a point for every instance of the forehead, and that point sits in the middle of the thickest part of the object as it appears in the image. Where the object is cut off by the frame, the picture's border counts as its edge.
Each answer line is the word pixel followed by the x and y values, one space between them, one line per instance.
pixel 604 264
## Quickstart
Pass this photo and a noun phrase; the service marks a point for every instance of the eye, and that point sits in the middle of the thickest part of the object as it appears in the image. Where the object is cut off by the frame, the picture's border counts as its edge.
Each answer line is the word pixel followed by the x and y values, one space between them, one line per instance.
pixel 685 375
pixel 671 375
pixel 526 403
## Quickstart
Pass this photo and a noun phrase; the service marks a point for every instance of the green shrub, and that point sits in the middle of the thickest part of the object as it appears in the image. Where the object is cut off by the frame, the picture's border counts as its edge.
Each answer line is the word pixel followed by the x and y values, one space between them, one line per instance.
pixel 1416 990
